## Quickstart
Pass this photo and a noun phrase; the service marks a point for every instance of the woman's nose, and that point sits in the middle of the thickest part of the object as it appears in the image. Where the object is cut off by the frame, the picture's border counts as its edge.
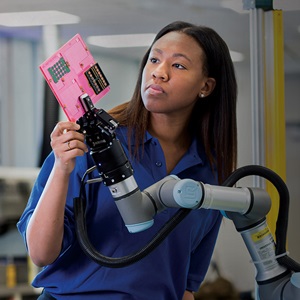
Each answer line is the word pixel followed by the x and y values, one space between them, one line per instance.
pixel 160 72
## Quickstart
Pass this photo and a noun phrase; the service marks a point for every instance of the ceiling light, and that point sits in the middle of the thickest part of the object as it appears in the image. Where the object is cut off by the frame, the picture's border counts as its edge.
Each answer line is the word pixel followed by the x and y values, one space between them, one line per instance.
pixel 122 41
pixel 37 18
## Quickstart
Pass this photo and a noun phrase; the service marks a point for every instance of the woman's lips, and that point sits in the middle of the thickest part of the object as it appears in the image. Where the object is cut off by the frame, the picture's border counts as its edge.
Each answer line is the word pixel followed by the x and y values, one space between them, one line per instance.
pixel 155 89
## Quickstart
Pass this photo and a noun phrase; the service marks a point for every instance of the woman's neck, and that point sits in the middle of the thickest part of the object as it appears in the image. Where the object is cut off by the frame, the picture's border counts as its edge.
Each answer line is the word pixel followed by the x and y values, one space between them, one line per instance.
pixel 168 129
pixel 173 137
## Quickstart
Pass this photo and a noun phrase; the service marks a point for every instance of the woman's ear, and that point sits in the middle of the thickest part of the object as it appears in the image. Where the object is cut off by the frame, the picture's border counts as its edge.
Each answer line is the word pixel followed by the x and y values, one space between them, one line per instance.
pixel 208 87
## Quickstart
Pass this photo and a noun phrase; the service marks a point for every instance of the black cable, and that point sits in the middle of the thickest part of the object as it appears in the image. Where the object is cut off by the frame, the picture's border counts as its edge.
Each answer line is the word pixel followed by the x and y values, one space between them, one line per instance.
pixel 251 170
pixel 119 262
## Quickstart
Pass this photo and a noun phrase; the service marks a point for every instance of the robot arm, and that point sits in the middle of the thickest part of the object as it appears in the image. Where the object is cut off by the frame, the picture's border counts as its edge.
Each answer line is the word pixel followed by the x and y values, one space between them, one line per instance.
pixel 246 207
pixel 278 277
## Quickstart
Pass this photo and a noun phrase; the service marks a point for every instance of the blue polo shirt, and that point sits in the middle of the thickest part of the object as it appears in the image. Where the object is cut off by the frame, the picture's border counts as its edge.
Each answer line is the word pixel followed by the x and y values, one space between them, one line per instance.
pixel 178 264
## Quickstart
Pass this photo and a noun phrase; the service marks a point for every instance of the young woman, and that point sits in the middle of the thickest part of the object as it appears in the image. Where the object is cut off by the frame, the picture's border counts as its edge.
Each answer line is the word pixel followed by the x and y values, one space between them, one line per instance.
pixel 181 120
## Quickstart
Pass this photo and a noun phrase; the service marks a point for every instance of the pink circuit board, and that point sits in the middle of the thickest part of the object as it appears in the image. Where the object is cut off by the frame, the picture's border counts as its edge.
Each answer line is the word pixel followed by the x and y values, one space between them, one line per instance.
pixel 72 71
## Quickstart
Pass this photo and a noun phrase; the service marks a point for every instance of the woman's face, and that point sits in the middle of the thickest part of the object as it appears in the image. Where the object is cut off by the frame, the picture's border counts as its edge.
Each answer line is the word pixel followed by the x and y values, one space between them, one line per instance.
pixel 172 78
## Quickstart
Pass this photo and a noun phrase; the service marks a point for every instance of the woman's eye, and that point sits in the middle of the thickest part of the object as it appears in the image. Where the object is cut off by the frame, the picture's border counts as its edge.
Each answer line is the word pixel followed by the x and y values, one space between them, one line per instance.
pixel 179 66
pixel 153 60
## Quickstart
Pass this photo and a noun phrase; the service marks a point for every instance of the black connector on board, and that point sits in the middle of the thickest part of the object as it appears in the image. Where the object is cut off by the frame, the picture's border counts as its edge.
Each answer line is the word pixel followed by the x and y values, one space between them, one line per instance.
pixel 96 78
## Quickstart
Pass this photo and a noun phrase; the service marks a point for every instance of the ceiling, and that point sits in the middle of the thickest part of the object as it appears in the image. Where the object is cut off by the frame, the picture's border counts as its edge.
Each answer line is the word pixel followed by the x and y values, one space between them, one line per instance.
pixel 106 17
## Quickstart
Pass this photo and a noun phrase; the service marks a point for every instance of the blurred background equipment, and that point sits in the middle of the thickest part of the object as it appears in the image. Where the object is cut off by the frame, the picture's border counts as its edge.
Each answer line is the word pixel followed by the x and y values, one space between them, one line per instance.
pixel 16 271
pixel 217 287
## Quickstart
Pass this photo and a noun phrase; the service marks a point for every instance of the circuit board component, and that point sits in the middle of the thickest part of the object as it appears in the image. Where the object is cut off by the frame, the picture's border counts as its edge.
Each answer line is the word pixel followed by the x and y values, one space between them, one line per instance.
pixel 96 78
pixel 58 70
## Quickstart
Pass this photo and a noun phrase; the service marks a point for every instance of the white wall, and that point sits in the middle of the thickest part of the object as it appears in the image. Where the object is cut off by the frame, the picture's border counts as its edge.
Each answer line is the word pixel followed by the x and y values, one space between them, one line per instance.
pixel 292 109
pixel 21 110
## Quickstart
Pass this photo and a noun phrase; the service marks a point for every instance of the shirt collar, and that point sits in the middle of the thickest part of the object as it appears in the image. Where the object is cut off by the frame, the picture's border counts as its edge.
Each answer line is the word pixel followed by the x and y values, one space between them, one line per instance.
pixel 195 152
pixel 194 155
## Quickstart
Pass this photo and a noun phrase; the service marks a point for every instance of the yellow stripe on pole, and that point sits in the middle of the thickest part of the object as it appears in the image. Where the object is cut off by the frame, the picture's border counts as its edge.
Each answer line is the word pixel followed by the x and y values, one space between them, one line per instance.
pixel 275 113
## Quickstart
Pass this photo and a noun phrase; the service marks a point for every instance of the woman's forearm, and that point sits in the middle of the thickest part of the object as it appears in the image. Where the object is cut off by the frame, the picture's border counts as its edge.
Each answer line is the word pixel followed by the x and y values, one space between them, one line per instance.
pixel 46 226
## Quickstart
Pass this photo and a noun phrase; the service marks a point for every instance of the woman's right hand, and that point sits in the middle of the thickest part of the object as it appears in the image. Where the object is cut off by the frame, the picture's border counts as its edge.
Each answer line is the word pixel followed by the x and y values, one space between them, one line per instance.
pixel 67 143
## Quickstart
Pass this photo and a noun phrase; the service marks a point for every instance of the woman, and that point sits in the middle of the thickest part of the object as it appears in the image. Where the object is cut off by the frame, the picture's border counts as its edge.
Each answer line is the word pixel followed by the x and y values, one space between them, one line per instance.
pixel 181 120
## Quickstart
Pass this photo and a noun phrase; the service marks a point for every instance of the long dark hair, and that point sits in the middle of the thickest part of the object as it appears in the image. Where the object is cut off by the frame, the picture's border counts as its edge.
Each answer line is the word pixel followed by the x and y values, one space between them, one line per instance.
pixel 213 120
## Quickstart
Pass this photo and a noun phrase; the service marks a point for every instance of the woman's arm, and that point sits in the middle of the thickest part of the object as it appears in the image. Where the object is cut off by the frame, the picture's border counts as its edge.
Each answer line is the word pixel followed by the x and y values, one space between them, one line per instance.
pixel 44 234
